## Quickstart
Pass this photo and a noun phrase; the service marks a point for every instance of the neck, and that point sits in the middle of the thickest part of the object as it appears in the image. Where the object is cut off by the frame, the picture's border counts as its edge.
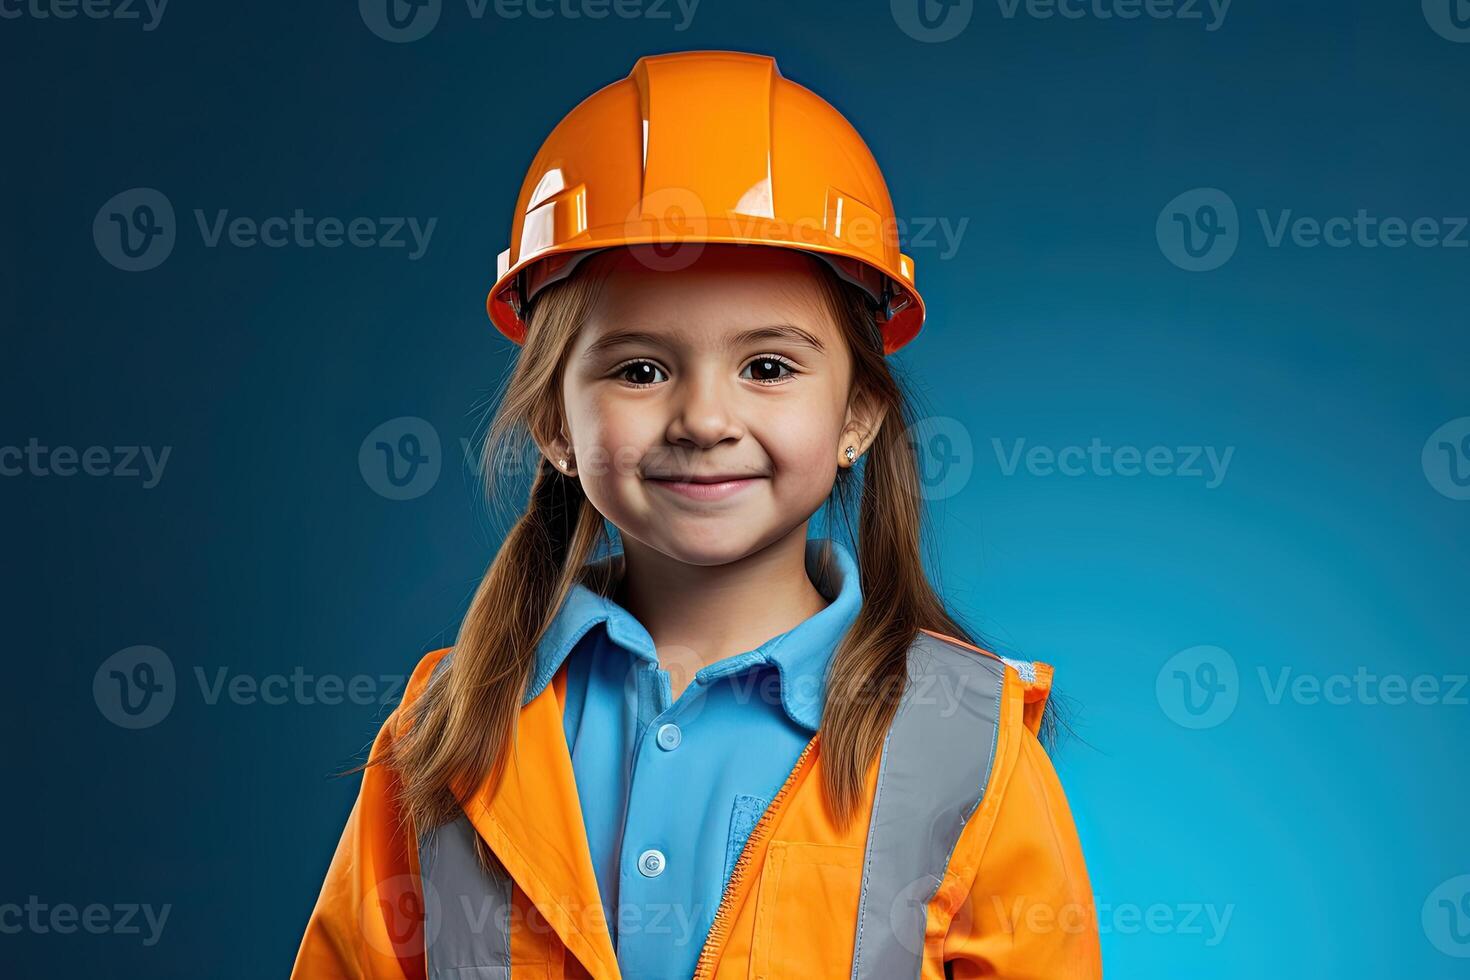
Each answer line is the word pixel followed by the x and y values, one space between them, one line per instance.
pixel 699 614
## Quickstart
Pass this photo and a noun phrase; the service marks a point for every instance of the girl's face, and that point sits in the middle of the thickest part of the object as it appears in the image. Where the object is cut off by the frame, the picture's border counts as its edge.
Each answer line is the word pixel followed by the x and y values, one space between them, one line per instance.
pixel 707 406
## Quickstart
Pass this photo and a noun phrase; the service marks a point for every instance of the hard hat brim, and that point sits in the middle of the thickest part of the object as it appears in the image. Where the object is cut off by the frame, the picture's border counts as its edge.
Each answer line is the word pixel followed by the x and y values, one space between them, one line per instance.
pixel 899 307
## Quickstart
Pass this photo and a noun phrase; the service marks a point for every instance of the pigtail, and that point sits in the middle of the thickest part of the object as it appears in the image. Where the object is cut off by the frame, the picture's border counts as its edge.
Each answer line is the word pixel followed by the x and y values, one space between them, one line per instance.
pixel 869 669
pixel 457 734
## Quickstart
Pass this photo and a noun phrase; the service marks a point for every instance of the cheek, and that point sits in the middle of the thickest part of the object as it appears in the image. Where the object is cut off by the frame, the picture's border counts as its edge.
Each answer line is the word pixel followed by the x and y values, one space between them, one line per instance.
pixel 802 443
pixel 614 435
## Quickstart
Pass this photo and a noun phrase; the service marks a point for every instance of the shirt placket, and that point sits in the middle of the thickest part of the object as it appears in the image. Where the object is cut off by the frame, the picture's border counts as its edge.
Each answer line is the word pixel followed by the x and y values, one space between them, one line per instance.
pixel 649 914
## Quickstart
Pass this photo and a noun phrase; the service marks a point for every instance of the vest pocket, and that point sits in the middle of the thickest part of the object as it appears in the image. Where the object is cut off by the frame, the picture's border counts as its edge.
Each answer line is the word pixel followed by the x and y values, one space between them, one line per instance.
pixel 806 911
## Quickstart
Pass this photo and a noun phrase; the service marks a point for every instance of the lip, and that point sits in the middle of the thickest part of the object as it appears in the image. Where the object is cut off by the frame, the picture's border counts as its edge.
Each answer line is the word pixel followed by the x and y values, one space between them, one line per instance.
pixel 719 490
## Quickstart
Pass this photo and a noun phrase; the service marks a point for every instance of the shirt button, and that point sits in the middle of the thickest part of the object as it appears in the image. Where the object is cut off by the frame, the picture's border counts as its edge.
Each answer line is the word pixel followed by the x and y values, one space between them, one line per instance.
pixel 651 863
pixel 669 737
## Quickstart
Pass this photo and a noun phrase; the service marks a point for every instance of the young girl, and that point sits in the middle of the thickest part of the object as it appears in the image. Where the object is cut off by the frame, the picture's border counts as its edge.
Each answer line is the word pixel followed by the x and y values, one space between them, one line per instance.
pixel 726 749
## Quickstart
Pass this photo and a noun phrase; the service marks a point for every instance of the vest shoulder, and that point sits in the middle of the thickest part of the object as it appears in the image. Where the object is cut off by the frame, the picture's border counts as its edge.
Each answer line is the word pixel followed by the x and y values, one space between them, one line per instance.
pixel 1033 678
pixel 422 671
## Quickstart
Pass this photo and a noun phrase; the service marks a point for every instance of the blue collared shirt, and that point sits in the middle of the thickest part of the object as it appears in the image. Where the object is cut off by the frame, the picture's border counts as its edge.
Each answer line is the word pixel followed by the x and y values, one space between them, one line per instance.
pixel 670 789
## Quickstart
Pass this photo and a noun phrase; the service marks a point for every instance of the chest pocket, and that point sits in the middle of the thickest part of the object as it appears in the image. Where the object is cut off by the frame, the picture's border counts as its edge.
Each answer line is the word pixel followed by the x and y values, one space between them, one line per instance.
pixel 806 911
pixel 743 817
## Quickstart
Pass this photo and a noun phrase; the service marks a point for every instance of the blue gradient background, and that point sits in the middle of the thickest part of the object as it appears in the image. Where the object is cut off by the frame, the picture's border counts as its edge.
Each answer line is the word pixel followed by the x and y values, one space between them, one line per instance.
pixel 1320 829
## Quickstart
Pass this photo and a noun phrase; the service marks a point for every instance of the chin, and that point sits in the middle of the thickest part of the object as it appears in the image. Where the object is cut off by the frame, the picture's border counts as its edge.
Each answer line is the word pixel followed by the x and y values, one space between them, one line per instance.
pixel 704 542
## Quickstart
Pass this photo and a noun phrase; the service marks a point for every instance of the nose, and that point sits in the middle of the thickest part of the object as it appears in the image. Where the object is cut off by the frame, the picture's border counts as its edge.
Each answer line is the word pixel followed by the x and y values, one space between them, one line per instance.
pixel 703 411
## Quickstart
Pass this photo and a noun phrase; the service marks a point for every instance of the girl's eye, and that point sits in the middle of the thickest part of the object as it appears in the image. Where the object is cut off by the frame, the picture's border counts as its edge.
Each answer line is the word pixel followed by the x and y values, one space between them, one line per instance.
pixel 767 369
pixel 639 373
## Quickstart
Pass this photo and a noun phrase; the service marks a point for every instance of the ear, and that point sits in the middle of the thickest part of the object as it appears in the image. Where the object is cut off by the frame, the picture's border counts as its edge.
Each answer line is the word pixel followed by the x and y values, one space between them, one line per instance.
pixel 865 417
pixel 558 449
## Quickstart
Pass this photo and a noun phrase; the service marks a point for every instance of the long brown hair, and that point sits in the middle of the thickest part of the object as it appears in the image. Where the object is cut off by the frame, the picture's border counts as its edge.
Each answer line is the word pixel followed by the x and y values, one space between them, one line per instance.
pixel 462 726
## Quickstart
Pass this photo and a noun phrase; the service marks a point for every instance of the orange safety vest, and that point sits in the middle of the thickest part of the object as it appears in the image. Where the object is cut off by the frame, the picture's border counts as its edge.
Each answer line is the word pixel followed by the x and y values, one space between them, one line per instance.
pixel 964 861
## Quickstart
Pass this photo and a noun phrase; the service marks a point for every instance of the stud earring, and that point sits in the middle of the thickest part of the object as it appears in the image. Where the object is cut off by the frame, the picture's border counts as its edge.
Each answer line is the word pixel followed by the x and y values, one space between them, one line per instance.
pixel 850 453
pixel 562 462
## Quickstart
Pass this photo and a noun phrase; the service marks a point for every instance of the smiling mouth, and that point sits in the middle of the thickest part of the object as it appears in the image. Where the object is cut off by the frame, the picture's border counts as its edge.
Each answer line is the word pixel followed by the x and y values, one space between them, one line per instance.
pixel 702 489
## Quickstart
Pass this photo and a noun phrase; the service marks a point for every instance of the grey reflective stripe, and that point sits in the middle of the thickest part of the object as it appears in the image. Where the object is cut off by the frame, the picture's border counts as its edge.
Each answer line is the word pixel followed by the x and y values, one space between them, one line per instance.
pixel 466 909
pixel 936 762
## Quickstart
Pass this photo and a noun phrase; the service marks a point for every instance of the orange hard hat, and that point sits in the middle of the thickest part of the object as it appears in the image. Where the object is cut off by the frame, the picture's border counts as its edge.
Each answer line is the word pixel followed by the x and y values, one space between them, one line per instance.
pixel 701 147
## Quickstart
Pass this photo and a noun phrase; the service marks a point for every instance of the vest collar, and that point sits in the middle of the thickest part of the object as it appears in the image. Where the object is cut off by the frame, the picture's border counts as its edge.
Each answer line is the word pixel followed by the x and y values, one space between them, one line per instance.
pixel 533 823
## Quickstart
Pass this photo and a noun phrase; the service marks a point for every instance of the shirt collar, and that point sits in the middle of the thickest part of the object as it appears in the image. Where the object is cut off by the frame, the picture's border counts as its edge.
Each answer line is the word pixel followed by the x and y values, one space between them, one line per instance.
pixel 801 654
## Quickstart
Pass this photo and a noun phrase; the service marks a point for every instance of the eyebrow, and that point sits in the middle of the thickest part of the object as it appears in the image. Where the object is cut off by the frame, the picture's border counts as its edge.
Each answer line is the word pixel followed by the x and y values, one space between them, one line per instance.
pixel 786 332
pixel 620 338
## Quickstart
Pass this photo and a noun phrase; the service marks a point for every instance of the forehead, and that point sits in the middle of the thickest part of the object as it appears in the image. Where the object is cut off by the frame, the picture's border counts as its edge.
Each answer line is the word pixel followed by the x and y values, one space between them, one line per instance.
pixel 708 294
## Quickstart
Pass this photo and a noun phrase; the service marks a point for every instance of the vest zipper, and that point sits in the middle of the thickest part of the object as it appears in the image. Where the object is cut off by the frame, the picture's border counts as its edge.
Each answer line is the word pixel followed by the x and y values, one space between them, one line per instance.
pixel 718 929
